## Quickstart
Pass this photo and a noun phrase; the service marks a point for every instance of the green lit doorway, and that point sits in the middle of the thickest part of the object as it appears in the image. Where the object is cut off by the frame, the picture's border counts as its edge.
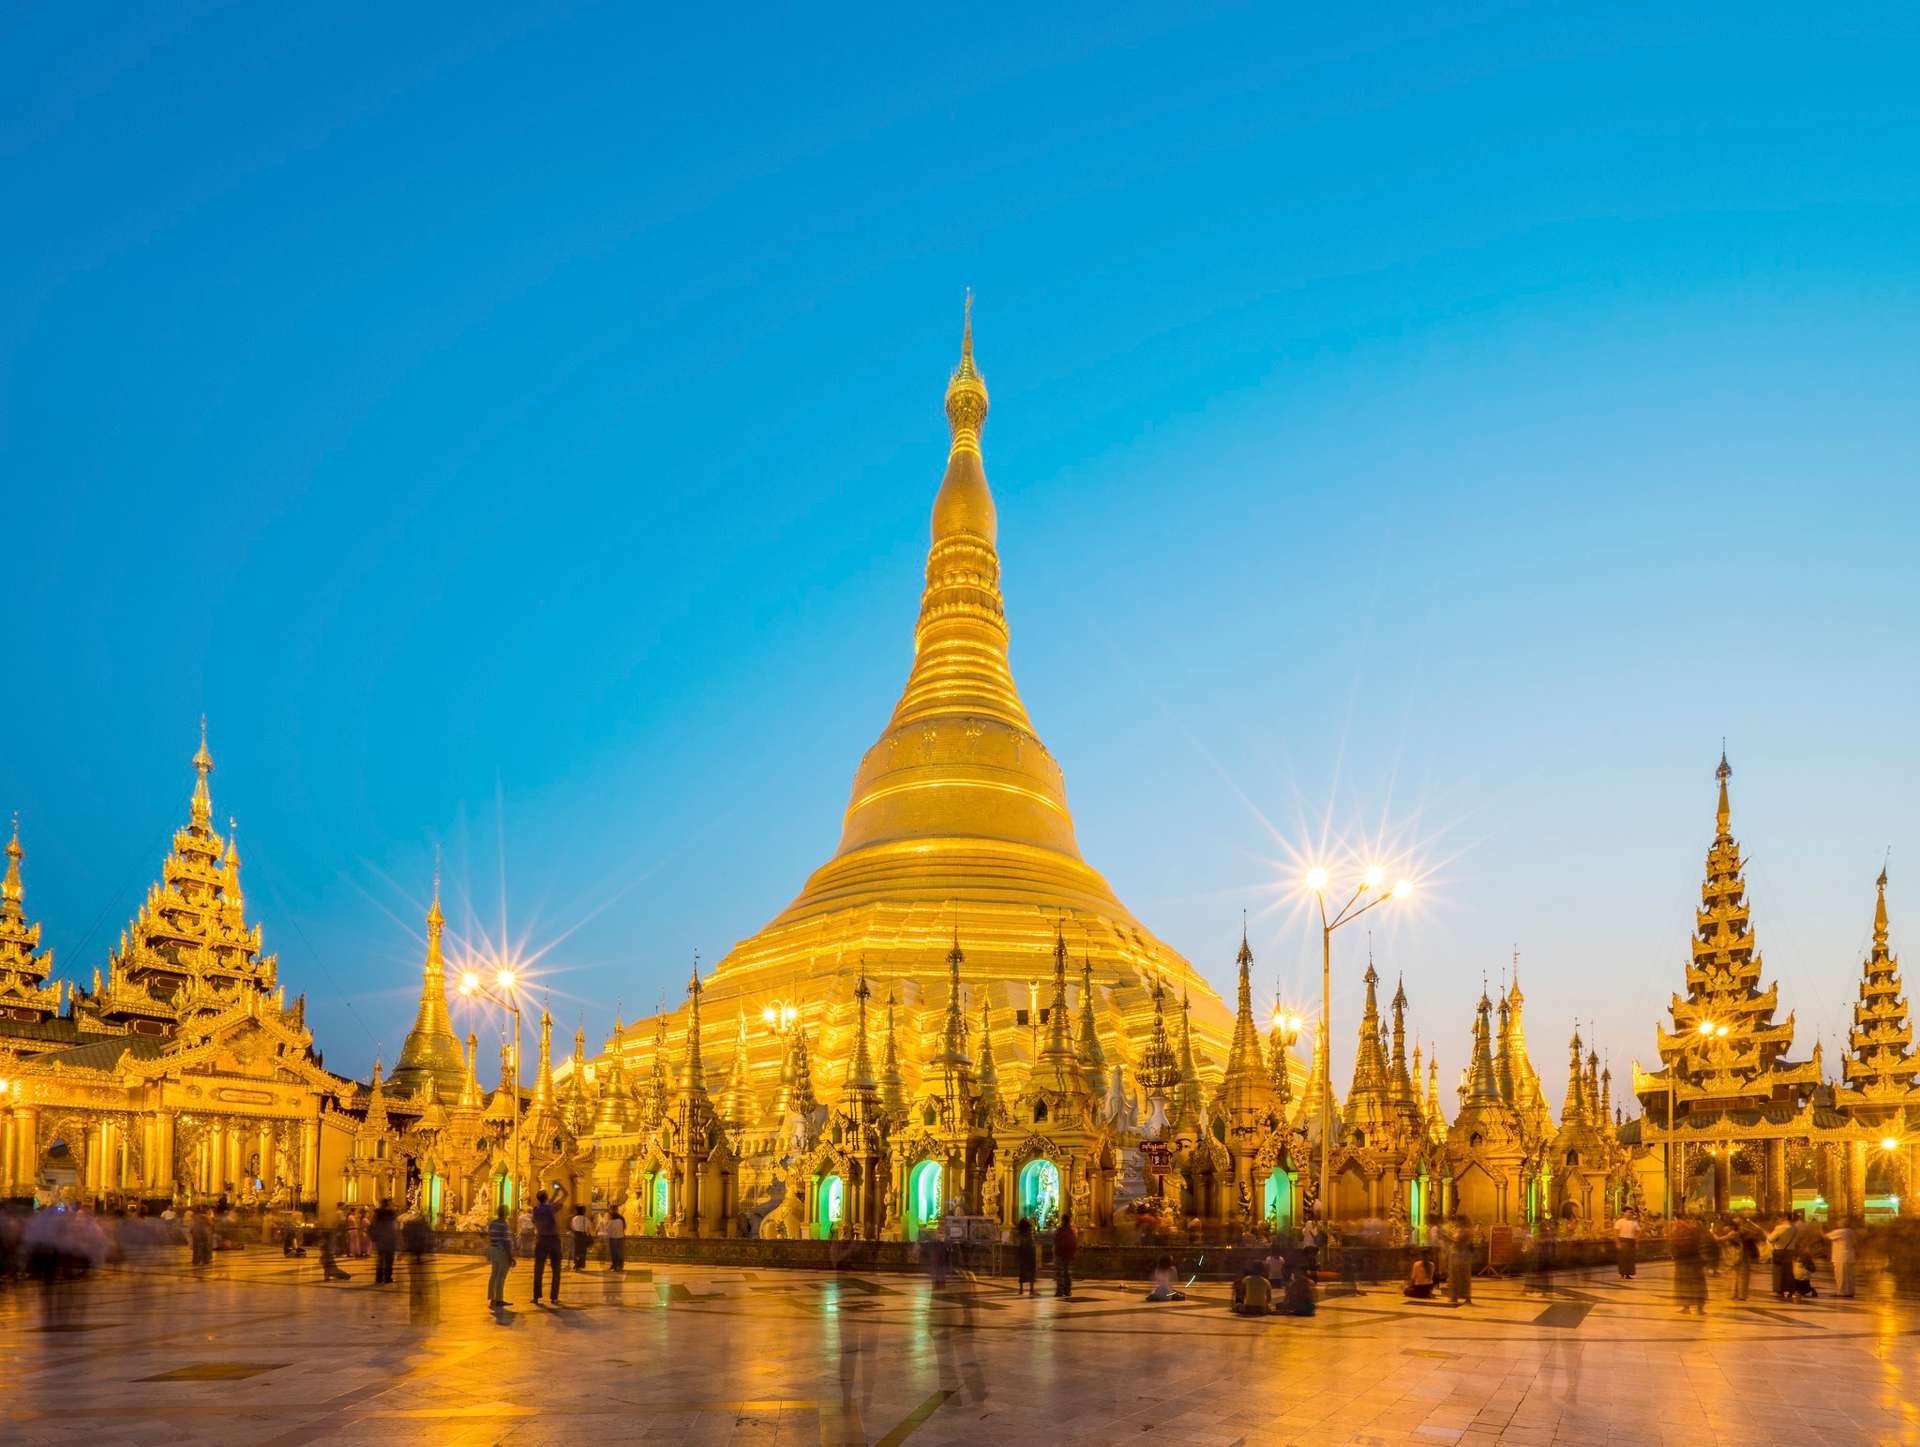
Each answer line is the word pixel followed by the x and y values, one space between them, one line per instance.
pixel 1040 1193
pixel 1277 1205
pixel 829 1203
pixel 924 1201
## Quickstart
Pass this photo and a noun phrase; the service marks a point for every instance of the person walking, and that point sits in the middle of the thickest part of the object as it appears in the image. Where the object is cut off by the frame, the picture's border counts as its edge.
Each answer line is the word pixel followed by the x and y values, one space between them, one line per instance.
pixel 1780 1241
pixel 1310 1235
pixel 499 1258
pixel 1689 1265
pixel 1843 1240
pixel 385 1233
pixel 1026 1256
pixel 582 1230
pixel 546 1245
pixel 1065 1244
pixel 1460 1261
pixel 1626 1242
pixel 614 1228
pixel 332 1243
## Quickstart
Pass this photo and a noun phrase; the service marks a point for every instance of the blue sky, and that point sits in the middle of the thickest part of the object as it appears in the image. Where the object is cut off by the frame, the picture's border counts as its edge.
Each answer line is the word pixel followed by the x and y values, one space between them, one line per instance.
pixel 516 429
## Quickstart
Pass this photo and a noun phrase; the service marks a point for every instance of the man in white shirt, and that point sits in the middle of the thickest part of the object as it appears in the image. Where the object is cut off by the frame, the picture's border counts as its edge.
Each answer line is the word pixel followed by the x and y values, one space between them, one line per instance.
pixel 1626 1242
pixel 1841 1239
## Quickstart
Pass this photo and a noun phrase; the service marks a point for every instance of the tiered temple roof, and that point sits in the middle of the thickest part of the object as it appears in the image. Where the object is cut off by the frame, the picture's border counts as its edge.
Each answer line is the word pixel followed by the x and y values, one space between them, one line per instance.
pixel 24 991
pixel 189 950
pixel 1880 1065
pixel 1725 1051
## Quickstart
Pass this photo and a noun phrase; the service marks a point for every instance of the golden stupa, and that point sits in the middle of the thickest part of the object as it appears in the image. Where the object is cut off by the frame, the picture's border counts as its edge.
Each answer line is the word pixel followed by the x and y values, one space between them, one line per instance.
pixel 958 827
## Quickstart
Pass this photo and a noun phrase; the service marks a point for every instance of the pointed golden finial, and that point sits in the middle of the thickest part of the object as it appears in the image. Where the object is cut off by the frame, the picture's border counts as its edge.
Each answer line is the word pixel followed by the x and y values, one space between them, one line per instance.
pixel 966 393
pixel 12 892
pixel 202 766
pixel 435 919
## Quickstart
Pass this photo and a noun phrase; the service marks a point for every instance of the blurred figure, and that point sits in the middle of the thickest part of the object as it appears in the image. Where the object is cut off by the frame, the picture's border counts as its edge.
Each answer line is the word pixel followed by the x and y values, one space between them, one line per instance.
pixel 423 1297
pixel 1297 1298
pixel 1688 1245
pixel 1026 1258
pixel 384 1234
pixel 499 1258
pixel 1844 1242
pixel 1164 1288
pixel 200 1236
pixel 359 1243
pixel 1460 1261
pixel 333 1240
pixel 1419 1280
pixel 614 1228
pixel 1780 1240
pixel 1065 1246
pixel 582 1230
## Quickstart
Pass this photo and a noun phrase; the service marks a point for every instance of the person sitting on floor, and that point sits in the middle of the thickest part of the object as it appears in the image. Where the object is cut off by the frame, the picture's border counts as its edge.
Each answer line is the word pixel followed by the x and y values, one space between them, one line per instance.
pixel 1420 1280
pixel 1163 1281
pixel 1251 1294
pixel 1298 1297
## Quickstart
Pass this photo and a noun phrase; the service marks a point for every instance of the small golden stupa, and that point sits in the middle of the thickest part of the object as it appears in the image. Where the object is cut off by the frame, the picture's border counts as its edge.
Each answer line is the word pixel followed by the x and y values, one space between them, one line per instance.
pixel 958 830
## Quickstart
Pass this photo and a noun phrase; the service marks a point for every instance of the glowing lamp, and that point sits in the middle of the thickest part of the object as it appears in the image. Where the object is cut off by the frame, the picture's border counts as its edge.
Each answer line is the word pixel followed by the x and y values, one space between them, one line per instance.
pixel 1706 1027
pixel 1316 879
pixel 769 1015
pixel 469 982
pixel 1401 888
pixel 504 979
pixel 1888 1143
pixel 1374 875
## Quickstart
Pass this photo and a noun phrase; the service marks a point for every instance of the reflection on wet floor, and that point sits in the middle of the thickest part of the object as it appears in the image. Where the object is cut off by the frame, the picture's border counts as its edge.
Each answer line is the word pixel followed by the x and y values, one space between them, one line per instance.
pixel 256 1349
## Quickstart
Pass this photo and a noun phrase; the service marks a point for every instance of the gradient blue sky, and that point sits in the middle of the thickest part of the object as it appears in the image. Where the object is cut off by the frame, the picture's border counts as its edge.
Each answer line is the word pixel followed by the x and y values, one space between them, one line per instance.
pixel 517 429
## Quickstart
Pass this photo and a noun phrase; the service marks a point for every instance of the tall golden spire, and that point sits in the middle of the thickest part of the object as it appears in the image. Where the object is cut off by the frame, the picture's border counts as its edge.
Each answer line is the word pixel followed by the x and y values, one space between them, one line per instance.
pixel 695 1078
pixel 1093 1059
pixel 736 1098
pixel 893 1087
pixel 1059 1046
pixel 1369 1099
pixel 1880 1065
pixel 986 1075
pixel 953 1039
pixel 470 1096
pixel 1573 1110
pixel 23 972
pixel 202 796
pixel 543 1098
pixel 1186 1100
pixel 614 1114
pixel 860 1081
pixel 1243 1055
pixel 431 1050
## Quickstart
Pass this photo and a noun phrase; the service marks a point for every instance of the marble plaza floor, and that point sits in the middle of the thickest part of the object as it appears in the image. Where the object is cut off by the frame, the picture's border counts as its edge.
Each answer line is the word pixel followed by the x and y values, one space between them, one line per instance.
pixel 260 1352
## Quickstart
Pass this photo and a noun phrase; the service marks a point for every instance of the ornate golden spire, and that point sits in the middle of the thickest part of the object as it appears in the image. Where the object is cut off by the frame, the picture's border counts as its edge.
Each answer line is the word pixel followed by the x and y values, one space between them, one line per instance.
pixel 1093 1059
pixel 1880 1065
pixel 543 1099
pixel 893 1088
pixel 1243 1055
pixel 953 1039
pixel 860 1081
pixel 695 1078
pixel 1573 1110
pixel 967 407
pixel 470 1096
pixel 736 1099
pixel 614 1112
pixel 986 1075
pixel 1059 1046
pixel 202 796
pixel 1159 1068
pixel 1186 1100
pixel 431 1051
pixel 22 971
pixel 1369 1100
pixel 1279 1064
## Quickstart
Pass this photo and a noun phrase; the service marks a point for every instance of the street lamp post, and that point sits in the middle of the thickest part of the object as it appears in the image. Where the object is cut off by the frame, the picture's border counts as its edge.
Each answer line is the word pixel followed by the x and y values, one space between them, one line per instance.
pixel 1370 883
pixel 500 992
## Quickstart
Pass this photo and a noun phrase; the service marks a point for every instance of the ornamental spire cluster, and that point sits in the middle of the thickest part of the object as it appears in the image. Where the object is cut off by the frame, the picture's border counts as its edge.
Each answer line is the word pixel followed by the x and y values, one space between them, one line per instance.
pixel 188 950
pixel 23 969
pixel 431 1051
pixel 1880 1064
